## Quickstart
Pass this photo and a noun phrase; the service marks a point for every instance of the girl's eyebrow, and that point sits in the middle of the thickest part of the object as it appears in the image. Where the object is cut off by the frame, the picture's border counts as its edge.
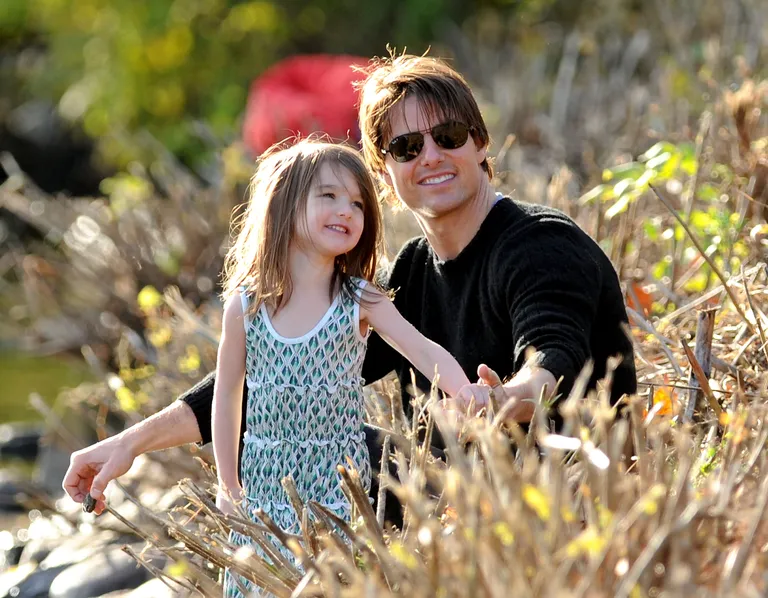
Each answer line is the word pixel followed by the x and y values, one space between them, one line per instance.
pixel 327 187
pixel 337 188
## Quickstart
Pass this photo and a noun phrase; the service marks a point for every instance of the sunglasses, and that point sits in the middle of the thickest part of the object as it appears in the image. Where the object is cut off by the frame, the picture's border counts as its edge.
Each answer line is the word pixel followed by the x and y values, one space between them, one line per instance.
pixel 449 135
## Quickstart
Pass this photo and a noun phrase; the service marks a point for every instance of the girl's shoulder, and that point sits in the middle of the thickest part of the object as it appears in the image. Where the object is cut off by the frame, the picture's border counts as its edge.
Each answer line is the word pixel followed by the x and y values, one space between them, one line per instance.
pixel 249 308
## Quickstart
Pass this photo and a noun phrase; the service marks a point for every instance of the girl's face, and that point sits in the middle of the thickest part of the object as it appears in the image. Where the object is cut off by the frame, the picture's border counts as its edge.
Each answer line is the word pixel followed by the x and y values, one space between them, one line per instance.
pixel 334 219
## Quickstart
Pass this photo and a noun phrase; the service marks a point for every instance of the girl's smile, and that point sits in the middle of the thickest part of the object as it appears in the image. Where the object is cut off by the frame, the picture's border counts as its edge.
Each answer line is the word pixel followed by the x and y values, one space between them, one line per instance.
pixel 335 216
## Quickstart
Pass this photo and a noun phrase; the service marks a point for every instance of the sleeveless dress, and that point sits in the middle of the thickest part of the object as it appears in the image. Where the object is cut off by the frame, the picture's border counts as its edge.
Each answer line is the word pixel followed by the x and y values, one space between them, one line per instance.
pixel 305 415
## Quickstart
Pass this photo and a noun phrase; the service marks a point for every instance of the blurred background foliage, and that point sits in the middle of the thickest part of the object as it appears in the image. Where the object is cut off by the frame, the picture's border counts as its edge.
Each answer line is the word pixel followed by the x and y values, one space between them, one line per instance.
pixel 180 69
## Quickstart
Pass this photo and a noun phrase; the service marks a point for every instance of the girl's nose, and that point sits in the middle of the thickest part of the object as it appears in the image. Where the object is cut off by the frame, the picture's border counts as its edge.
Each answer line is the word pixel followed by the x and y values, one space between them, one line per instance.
pixel 344 210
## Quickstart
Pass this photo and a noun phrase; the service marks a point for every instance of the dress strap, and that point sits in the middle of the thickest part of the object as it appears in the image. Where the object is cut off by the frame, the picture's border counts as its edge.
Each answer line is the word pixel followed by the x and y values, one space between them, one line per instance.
pixel 361 284
pixel 244 303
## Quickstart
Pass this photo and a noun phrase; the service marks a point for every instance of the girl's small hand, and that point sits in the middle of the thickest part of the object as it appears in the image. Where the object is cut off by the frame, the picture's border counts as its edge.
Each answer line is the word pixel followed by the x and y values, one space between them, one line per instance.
pixel 472 398
pixel 224 502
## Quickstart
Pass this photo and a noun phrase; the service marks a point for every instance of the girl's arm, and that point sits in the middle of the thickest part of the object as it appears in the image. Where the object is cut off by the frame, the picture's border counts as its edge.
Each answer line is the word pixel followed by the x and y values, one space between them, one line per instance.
pixel 227 399
pixel 410 343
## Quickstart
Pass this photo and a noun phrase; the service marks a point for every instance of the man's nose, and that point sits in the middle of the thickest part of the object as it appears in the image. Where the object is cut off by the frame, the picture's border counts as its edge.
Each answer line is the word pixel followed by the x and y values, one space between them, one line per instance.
pixel 431 152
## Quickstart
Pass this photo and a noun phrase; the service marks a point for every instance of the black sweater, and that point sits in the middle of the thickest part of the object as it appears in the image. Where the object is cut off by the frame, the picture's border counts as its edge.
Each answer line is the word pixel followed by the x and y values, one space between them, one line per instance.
pixel 529 278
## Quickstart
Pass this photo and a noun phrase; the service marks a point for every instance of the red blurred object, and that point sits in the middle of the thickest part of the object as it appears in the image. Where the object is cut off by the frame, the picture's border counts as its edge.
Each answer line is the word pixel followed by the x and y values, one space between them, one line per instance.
pixel 302 95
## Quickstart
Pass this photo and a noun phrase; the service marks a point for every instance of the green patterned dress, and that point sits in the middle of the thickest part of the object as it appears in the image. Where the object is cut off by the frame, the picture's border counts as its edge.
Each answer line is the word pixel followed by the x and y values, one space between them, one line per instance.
pixel 305 415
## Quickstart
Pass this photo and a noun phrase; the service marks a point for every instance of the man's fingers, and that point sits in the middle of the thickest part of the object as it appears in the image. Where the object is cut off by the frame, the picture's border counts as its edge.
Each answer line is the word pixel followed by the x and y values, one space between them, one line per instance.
pixel 101 480
pixel 488 376
pixel 99 485
pixel 100 507
pixel 77 480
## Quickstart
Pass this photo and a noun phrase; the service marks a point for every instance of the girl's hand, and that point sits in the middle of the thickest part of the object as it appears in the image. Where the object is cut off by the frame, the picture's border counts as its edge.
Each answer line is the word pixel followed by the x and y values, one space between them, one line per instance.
pixel 225 503
pixel 473 398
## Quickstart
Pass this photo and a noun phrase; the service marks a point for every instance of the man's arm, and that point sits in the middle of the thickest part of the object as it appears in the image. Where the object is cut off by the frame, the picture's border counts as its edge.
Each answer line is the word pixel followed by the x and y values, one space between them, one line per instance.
pixel 199 399
pixel 92 468
pixel 551 289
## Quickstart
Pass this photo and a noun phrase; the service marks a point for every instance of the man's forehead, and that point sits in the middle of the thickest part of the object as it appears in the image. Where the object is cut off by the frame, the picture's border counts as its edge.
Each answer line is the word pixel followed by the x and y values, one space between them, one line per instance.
pixel 414 114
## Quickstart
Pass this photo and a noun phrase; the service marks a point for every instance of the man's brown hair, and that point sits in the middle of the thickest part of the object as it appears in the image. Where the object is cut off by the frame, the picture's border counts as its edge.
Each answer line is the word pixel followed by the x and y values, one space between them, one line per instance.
pixel 442 92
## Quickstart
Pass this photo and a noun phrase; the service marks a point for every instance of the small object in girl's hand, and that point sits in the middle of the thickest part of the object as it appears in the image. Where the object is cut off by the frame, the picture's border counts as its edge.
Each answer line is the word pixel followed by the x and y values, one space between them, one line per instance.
pixel 89 503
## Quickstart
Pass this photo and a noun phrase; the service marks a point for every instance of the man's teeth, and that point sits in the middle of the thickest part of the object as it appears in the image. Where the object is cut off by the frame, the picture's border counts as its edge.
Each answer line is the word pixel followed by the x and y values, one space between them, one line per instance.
pixel 437 179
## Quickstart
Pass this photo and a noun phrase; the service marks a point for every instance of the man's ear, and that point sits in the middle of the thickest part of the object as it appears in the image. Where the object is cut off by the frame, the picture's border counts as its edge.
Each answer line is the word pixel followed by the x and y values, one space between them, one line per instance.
pixel 482 152
pixel 385 178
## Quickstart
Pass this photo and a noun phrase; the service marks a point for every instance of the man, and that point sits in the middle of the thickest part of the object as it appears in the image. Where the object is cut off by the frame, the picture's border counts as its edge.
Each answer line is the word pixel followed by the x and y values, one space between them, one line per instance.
pixel 490 279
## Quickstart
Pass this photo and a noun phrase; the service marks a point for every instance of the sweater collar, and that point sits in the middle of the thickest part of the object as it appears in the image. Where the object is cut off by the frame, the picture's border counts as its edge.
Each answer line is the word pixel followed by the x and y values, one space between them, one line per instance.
pixel 476 242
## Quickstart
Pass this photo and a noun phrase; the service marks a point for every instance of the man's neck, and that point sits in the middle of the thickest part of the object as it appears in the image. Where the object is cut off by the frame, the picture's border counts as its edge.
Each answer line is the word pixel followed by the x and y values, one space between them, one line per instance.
pixel 450 233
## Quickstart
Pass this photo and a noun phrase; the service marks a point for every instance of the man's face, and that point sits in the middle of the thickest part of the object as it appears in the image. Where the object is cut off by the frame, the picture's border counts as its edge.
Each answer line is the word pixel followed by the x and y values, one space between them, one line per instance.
pixel 437 181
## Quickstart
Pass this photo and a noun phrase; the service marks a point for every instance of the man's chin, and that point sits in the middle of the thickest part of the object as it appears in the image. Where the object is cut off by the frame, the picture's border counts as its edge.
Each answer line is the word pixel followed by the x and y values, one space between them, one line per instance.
pixel 442 206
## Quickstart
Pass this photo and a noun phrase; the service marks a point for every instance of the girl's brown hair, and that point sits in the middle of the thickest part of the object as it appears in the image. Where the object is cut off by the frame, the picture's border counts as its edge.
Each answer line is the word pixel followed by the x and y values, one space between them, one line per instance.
pixel 441 91
pixel 278 194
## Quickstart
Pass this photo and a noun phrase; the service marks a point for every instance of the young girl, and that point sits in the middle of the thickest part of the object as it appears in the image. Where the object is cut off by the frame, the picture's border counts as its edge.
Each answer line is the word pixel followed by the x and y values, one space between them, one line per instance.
pixel 299 308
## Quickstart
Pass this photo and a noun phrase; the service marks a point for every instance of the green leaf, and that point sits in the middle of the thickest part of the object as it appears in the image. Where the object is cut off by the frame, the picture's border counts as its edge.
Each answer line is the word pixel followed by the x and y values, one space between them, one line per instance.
pixel 649 176
pixel 659 160
pixel 656 150
pixel 631 170
pixel 708 192
pixel 593 194
pixel 621 187
pixel 620 206
pixel 659 270
pixel 651 230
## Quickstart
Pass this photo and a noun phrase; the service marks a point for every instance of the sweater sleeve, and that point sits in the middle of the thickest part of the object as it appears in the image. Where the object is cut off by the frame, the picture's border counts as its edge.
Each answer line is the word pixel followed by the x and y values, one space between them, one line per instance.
pixel 200 400
pixel 552 287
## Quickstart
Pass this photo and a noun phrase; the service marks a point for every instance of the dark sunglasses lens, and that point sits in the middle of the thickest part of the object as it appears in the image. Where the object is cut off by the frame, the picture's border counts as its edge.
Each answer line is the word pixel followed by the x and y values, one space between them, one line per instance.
pixel 450 135
pixel 406 147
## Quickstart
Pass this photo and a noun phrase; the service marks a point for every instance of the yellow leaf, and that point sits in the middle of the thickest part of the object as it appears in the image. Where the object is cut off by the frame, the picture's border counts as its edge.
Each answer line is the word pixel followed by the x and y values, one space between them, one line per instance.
pixel 160 337
pixel 604 516
pixel 588 542
pixel 149 298
pixel 649 506
pixel 126 399
pixel 402 554
pixel 503 533
pixel 177 569
pixel 567 515
pixel 537 501
pixel 190 361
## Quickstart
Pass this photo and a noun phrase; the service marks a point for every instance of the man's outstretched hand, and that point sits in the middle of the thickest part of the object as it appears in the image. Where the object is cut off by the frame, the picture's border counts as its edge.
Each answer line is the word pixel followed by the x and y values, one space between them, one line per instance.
pixel 522 391
pixel 91 469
